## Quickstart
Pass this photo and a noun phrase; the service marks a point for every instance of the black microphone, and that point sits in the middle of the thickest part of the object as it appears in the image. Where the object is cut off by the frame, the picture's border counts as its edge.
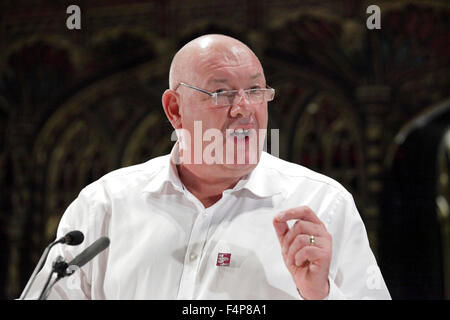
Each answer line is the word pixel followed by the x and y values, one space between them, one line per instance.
pixel 63 269
pixel 72 238
pixel 89 253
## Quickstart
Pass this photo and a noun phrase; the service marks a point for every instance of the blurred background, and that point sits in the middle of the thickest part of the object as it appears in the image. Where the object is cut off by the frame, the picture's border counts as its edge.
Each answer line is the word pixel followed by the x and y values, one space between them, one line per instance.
pixel 370 108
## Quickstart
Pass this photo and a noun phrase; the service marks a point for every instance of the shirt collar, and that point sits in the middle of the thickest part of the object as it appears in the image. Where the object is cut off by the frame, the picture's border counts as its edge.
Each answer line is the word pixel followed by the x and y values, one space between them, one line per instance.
pixel 167 173
pixel 262 181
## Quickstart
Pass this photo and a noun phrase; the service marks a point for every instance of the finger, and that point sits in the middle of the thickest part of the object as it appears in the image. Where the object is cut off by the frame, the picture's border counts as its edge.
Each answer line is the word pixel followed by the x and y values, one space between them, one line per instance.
pixel 281 228
pixel 301 227
pixel 304 213
pixel 308 253
pixel 299 243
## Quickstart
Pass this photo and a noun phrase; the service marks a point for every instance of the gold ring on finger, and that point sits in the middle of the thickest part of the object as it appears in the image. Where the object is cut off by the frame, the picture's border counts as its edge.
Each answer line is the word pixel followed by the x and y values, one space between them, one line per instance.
pixel 312 240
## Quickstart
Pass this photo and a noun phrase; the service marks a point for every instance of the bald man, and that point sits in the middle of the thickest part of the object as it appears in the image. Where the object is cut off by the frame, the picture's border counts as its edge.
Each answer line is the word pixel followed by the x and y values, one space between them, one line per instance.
pixel 217 218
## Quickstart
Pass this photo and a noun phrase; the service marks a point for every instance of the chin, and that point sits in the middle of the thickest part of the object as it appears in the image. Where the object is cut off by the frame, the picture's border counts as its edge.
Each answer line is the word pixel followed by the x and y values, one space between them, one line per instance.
pixel 244 168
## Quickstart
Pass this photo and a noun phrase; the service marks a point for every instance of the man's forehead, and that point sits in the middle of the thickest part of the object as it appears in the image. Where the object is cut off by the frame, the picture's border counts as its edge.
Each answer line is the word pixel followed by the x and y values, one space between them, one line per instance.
pixel 215 59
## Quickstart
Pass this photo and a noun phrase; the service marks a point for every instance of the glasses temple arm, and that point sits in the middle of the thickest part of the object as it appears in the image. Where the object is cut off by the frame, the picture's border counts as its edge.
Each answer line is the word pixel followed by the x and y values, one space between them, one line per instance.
pixel 198 89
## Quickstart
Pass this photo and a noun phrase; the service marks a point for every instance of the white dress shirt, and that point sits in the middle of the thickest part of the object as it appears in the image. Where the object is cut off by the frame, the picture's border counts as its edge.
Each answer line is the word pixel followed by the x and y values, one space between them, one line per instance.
pixel 166 245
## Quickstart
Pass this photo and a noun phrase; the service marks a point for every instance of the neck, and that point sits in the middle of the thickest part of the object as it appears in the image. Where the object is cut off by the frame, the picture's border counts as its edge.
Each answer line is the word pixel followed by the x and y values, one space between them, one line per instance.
pixel 208 190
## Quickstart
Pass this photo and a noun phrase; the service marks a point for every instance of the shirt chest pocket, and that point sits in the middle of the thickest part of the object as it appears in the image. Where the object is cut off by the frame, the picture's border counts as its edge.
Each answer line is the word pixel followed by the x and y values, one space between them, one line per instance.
pixel 227 270
pixel 233 271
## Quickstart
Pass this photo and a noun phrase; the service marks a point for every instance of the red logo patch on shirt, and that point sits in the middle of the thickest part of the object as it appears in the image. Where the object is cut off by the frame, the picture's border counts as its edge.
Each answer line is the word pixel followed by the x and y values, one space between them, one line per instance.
pixel 223 259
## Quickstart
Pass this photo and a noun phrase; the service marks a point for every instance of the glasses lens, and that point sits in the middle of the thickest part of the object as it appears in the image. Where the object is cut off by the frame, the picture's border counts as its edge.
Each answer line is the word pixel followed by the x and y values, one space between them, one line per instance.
pixel 228 98
pixel 256 95
pixel 269 94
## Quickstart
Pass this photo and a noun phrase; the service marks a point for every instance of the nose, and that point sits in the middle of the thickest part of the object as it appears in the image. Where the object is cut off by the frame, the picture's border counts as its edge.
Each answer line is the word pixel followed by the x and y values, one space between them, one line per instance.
pixel 243 107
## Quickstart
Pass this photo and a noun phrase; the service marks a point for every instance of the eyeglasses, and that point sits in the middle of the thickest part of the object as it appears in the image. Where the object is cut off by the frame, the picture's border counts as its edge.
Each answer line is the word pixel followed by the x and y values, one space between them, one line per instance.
pixel 233 97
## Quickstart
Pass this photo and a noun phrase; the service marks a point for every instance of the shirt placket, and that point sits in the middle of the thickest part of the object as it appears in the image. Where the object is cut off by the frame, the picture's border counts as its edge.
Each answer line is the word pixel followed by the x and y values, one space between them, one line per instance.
pixel 194 249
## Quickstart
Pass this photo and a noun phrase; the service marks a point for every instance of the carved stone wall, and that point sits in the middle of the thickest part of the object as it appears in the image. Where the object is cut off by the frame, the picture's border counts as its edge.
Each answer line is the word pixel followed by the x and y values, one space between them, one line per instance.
pixel 76 104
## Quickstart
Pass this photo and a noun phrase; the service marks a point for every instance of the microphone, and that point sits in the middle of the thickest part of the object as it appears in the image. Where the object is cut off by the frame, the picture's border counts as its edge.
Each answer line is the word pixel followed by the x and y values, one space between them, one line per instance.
pixel 72 238
pixel 63 269
pixel 89 253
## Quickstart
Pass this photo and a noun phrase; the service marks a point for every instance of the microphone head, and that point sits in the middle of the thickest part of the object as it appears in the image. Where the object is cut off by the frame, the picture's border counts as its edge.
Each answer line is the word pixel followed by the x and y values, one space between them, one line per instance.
pixel 90 252
pixel 74 238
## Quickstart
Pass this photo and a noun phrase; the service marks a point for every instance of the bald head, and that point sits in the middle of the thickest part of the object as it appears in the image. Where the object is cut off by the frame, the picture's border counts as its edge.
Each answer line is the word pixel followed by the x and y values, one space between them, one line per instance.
pixel 203 50
pixel 214 63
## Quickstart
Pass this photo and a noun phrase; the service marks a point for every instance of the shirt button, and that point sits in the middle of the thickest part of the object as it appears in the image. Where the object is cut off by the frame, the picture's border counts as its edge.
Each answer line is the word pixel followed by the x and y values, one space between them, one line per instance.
pixel 192 256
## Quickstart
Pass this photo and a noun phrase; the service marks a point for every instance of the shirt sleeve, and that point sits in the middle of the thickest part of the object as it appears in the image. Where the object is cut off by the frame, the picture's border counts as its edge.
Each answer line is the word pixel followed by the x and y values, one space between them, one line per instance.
pixel 354 273
pixel 89 217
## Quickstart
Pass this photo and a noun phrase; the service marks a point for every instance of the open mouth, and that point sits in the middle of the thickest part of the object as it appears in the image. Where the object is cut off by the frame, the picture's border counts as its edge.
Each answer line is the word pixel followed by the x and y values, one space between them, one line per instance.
pixel 242 133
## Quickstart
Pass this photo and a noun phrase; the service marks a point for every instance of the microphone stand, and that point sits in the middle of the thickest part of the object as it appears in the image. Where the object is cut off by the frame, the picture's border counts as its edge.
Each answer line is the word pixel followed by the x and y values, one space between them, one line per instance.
pixel 63 269
pixel 59 267
pixel 38 268
pixel 74 237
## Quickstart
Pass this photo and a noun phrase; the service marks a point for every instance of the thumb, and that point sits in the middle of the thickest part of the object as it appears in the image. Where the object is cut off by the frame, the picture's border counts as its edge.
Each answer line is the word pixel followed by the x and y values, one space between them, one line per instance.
pixel 281 228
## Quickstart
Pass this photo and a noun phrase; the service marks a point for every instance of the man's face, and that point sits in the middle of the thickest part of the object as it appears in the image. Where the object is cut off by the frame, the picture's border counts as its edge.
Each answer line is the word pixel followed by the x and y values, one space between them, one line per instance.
pixel 224 70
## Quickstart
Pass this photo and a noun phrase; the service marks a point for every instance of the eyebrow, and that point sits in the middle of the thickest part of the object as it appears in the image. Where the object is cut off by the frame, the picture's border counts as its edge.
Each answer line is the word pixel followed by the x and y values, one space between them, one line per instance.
pixel 256 75
pixel 214 80
pixel 223 80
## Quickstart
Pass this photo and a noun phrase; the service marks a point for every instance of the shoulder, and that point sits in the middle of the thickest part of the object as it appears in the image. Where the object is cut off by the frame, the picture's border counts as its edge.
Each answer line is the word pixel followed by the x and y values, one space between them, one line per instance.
pixel 293 174
pixel 125 179
pixel 91 211
pixel 331 201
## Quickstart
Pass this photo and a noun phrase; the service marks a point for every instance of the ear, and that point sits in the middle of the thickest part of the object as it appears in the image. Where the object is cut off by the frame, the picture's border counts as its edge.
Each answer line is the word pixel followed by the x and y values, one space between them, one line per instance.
pixel 170 102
